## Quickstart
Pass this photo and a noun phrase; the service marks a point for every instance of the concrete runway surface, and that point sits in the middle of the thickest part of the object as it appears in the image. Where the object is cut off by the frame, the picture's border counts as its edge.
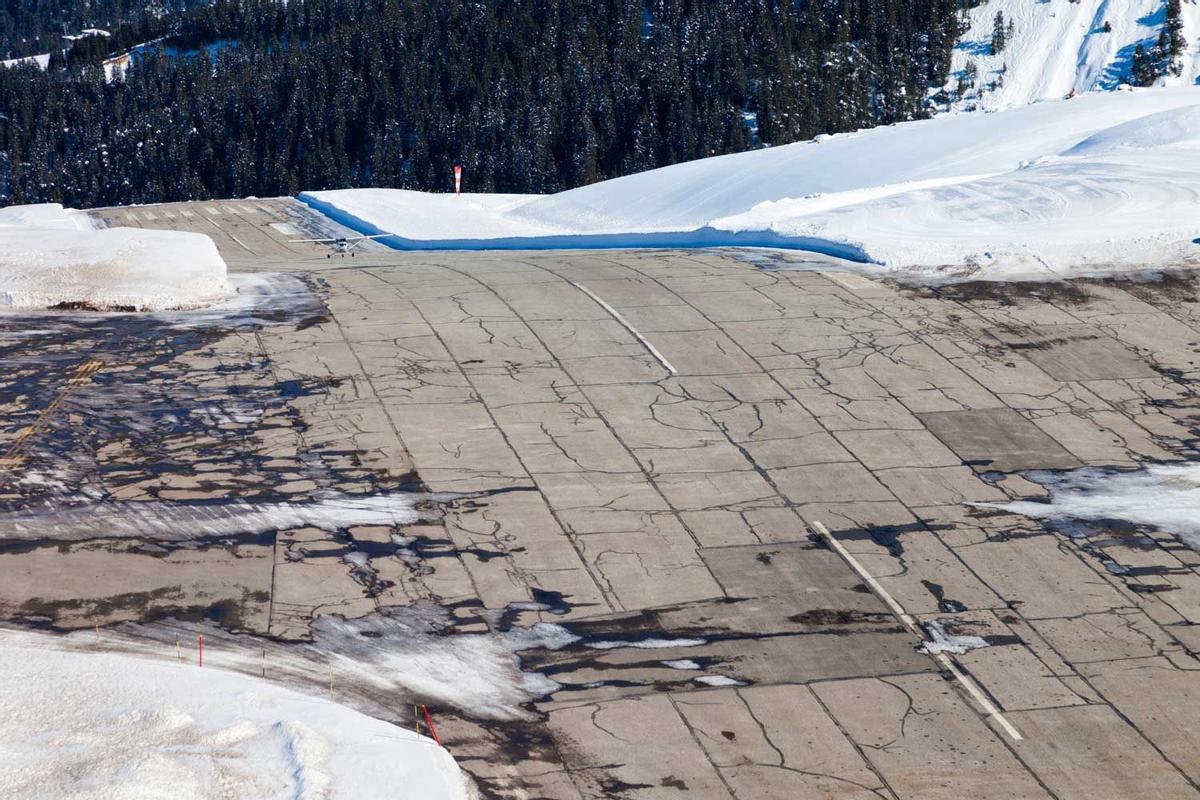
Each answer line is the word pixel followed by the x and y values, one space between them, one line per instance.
pixel 645 448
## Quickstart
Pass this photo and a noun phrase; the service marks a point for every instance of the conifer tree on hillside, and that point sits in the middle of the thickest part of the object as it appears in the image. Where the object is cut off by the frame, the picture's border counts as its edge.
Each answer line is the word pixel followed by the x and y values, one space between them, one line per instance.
pixel 1144 69
pixel 1172 41
pixel 999 33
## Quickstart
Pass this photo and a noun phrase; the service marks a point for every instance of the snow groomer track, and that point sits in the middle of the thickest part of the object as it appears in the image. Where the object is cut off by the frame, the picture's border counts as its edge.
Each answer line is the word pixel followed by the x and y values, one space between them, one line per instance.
pixel 576 504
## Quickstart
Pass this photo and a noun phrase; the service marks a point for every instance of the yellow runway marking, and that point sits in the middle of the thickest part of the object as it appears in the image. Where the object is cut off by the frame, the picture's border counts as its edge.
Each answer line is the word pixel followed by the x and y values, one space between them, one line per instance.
pixel 83 374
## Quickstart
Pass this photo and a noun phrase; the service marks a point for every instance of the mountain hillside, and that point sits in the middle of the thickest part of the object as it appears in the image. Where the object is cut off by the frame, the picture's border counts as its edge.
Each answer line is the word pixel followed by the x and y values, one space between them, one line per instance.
pixel 1049 49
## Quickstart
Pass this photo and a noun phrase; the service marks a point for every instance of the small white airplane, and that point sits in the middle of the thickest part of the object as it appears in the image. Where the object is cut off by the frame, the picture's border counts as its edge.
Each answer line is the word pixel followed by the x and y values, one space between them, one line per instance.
pixel 341 244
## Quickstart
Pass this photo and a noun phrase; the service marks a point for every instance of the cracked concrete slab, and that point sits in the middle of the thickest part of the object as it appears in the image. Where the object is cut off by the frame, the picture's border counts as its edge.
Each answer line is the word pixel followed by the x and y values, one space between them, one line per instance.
pixel 667 517
pixel 1000 440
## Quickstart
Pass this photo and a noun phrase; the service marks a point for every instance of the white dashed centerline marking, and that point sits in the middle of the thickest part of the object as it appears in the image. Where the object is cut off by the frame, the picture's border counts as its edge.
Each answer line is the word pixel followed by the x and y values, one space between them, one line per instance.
pixel 617 316
pixel 242 244
pixel 964 680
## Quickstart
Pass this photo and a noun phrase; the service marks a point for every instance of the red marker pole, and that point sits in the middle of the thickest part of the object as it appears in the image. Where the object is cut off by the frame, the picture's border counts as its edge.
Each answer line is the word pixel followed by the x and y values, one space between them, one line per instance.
pixel 457 180
pixel 201 638
pixel 429 722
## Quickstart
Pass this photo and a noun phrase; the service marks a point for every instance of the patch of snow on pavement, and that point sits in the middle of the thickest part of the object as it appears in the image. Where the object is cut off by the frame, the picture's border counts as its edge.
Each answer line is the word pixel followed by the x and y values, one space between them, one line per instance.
pixel 719 680
pixel 186 521
pixel 650 643
pixel 1163 496
pixel 380 663
pixel 942 641
pixel 1099 183
pixel 106 726
pixel 51 256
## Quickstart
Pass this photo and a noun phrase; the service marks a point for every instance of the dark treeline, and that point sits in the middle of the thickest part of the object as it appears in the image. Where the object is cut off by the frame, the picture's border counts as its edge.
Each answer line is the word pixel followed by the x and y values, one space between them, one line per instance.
pixel 252 97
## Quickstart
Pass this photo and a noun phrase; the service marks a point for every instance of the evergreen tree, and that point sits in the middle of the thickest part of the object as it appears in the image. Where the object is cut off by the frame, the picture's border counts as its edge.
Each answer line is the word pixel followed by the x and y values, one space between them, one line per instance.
pixel 1144 70
pixel 1172 41
pixel 999 33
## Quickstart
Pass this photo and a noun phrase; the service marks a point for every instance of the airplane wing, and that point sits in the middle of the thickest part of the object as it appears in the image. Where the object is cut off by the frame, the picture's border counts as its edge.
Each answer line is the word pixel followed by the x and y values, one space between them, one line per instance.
pixel 335 239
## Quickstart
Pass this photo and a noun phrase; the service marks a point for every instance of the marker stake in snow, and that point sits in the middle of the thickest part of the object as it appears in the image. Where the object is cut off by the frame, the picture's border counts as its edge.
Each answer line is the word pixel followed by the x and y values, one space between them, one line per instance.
pixel 457 180
pixel 432 729
pixel 201 640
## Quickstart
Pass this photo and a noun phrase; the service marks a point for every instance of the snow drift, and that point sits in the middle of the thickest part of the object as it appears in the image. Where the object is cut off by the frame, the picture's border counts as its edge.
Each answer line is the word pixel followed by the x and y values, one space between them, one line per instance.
pixel 98 726
pixel 1104 181
pixel 51 256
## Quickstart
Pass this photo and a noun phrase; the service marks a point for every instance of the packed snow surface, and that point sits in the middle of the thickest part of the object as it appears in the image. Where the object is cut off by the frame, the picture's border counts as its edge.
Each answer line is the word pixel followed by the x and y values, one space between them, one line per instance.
pixel 1107 181
pixel 51 256
pixel 104 726
pixel 1061 48
pixel 1165 497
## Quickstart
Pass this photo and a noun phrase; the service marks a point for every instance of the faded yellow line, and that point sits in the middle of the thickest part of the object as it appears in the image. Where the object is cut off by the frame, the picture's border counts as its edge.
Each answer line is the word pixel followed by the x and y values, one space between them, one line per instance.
pixel 83 374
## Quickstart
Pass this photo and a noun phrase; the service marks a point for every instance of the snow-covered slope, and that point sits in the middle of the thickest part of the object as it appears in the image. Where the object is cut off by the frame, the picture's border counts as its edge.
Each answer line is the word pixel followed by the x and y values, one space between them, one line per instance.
pixel 42 61
pixel 97 726
pixel 1102 181
pixel 53 256
pixel 1058 48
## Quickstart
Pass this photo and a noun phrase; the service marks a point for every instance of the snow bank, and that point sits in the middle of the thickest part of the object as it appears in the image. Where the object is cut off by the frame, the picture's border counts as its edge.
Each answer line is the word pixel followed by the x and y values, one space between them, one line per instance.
pixel 51 256
pixel 420 216
pixel 1057 49
pixel 94 726
pixel 1165 497
pixel 1100 182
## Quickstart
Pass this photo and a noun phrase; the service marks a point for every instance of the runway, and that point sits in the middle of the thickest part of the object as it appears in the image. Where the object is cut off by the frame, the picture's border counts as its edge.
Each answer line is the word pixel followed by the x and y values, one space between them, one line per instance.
pixel 644 447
